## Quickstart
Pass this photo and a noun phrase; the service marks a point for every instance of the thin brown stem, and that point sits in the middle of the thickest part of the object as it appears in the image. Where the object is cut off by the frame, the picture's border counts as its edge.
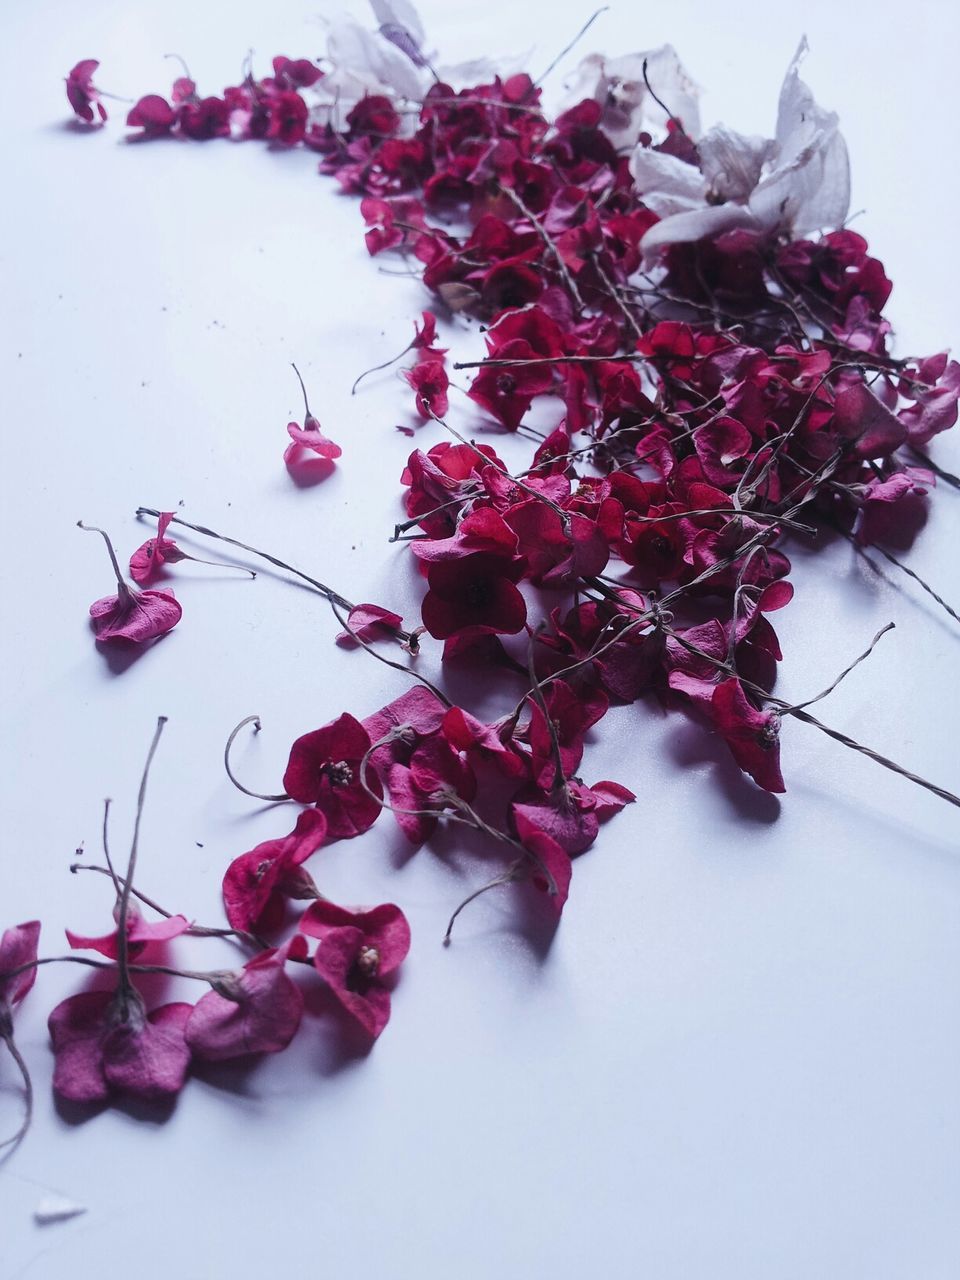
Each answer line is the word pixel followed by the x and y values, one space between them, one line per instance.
pixel 255 795
pixel 124 907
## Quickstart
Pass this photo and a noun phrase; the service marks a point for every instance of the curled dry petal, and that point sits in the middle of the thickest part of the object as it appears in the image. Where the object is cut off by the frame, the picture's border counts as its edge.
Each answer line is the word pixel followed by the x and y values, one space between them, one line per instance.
pixel 257 884
pixel 18 947
pixel 259 1010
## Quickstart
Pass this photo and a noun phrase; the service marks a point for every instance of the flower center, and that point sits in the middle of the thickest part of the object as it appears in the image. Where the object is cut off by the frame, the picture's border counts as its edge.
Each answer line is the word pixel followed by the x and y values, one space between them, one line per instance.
pixel 368 961
pixel 506 384
pixel 769 735
pixel 476 593
pixel 339 773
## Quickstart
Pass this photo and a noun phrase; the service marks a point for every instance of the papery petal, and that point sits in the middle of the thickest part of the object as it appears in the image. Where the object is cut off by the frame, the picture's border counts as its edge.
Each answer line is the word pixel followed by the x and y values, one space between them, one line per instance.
pixel 140 933
pixel 137 616
pixel 18 946
pixel 263 1018
pixel 312 438
pixel 808 188
pixel 368 622
pixel 253 884
pixel 384 927
pixel 731 162
pixel 148 1059
pixel 667 184
pixel 751 735
pixel 553 868
pixel 76 1026
pixel 560 818
pixel 680 228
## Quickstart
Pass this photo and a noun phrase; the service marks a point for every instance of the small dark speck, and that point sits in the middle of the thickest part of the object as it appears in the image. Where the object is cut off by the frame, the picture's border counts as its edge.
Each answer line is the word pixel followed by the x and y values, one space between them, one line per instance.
pixel 181 503
pixel 143 384
pixel 163 308
pixel 353 548
pixel 198 844
pixel 78 851
pixel 59 297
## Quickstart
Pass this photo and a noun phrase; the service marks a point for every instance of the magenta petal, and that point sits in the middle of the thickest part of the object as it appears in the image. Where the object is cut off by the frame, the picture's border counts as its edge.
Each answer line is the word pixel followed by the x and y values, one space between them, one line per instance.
pixel 611 798
pixel 558 817
pixel 76 1026
pixel 418 708
pixel 751 735
pixel 148 1057
pixel 139 934
pixel 384 927
pixel 253 883
pixel 335 959
pixel 137 616
pixel 312 438
pixel 324 769
pixel 411 807
pixel 863 419
pixel 368 622
pixel 18 946
pixel 553 868
pixel 262 1018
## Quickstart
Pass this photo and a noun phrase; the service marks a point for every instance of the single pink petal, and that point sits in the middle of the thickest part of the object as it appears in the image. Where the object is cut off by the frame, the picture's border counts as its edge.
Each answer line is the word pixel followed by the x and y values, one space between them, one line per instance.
pixel 137 616
pixel 559 817
pixel 259 1013
pixel 76 1026
pixel 312 438
pixel 140 934
pixel 611 798
pixel 335 960
pixel 18 946
pixel 753 736
pixel 148 1057
pixel 552 866
pixel 368 622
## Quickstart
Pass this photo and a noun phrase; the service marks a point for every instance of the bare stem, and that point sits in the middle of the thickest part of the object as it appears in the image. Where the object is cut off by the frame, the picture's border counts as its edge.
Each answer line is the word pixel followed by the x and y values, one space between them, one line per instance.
pixel 256 795
pixel 404 637
pixel 92 528
pixel 122 940
pixel 14 1141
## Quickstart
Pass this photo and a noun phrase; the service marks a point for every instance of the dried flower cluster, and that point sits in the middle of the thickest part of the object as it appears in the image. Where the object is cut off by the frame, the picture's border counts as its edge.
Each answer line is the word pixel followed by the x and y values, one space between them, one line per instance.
pixel 695 344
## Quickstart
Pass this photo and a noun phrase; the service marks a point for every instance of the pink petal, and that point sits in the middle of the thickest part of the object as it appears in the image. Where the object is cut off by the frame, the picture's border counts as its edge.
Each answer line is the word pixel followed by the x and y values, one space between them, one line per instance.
pixel 140 934
pixel 368 622
pixel 384 927
pixel 611 798
pixel 312 438
pixel 137 616
pixel 253 883
pixel 560 818
pixel 76 1025
pixel 263 1018
pixel 553 867
pixel 148 1057
pixel 18 946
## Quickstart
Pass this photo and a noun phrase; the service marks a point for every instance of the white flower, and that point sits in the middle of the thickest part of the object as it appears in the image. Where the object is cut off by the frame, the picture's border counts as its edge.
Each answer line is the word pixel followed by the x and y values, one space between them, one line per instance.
pixel 798 181
pixel 628 106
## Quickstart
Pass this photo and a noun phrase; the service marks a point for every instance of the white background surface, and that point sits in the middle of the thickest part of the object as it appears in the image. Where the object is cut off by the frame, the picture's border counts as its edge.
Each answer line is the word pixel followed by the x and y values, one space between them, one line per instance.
pixel 739 1058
